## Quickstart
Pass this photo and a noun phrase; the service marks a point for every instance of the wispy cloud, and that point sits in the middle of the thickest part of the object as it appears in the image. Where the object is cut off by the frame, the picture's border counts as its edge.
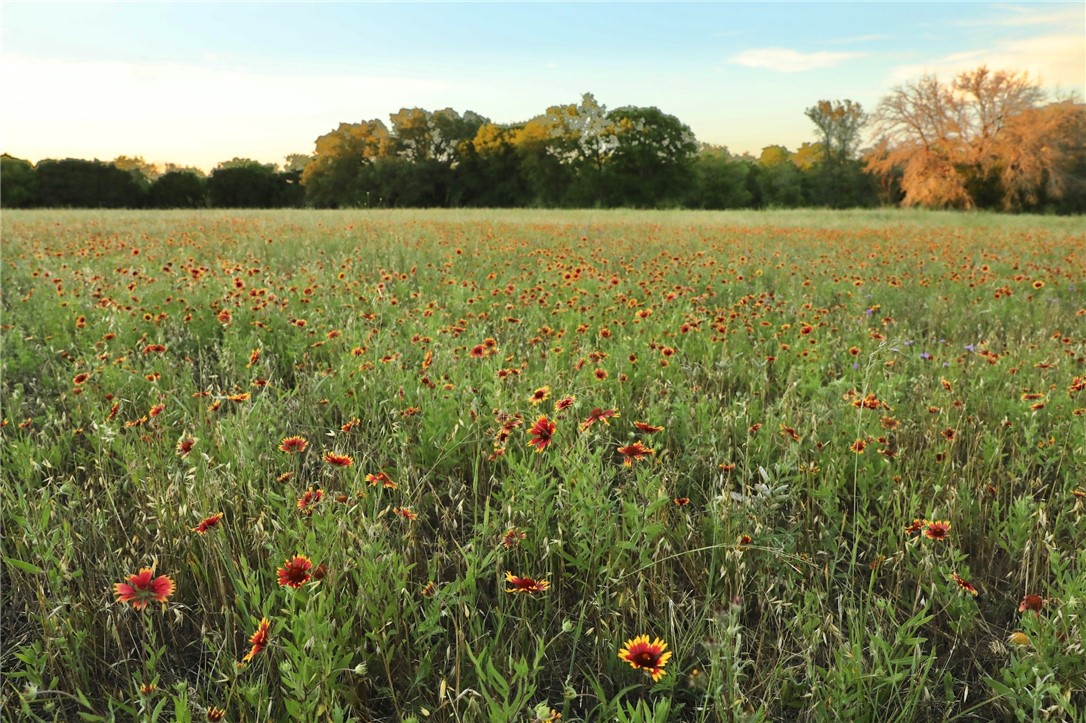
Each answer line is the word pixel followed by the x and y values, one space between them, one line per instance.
pixel 1055 60
pixel 786 60
pixel 1019 15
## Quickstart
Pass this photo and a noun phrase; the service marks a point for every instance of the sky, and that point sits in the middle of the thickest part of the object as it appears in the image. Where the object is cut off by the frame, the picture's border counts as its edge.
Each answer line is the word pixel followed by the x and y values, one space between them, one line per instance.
pixel 197 83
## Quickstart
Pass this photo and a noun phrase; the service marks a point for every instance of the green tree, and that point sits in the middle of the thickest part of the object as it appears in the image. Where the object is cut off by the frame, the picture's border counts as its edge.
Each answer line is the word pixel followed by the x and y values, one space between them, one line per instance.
pixel 432 145
pixel 648 157
pixel 341 172
pixel 719 180
pixel 808 155
pixel 451 132
pixel 563 151
pixel 490 173
pixel 178 189
pixel 296 162
pixel 779 181
pixel 174 167
pixel 833 177
pixel 839 125
pixel 236 162
pixel 141 170
pixel 18 183
pixel 77 183
pixel 547 177
pixel 244 185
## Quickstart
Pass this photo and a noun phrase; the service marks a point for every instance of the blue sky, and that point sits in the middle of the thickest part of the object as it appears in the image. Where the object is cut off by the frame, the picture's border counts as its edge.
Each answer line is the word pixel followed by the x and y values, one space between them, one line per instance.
pixel 198 83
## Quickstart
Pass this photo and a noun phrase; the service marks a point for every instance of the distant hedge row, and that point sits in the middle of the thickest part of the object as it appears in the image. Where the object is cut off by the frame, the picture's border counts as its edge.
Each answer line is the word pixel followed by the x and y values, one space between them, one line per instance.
pixel 712 180
pixel 76 183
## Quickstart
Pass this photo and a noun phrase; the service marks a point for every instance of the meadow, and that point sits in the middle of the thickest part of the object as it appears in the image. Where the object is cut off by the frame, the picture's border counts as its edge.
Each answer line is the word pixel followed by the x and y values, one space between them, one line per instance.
pixel 332 465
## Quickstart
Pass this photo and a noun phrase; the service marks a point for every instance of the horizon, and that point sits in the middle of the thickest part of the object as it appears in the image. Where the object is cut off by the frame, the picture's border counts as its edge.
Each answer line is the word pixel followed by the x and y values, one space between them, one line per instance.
pixel 738 74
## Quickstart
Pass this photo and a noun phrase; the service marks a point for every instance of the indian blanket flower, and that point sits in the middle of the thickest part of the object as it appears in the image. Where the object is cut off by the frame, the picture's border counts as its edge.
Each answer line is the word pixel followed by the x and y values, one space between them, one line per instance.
pixel 185 445
pixel 215 714
pixel 650 657
pixel 338 460
pixel 1031 602
pixel 542 433
pixel 258 641
pixel 512 538
pixel 405 512
pixel 540 395
pixel 634 451
pixel 307 500
pixel 525 584
pixel 599 415
pixel 207 523
pixel 964 584
pixel 938 530
pixel 647 428
pixel 295 571
pixel 144 588
pixel 293 445
pixel 382 478
pixel 564 403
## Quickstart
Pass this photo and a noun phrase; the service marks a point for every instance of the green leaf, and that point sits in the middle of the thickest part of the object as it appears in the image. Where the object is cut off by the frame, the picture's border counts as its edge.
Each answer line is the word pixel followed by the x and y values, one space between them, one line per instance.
pixel 24 566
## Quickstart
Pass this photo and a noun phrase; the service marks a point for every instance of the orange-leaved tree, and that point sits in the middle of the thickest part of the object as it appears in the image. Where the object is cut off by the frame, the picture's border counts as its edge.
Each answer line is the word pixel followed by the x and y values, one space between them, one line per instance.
pixel 984 140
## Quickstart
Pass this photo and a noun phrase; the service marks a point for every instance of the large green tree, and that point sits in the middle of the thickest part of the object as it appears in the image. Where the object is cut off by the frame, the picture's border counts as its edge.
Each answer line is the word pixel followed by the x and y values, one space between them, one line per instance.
pixel 178 189
pixel 489 172
pixel 648 158
pixel 341 172
pixel 719 180
pixel 779 181
pixel 834 177
pixel 242 183
pixel 18 183
pixel 77 183
pixel 840 125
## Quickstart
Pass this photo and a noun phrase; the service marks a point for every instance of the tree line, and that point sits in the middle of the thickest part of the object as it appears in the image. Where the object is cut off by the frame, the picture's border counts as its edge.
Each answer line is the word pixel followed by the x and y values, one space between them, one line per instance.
pixel 987 139
pixel 133 183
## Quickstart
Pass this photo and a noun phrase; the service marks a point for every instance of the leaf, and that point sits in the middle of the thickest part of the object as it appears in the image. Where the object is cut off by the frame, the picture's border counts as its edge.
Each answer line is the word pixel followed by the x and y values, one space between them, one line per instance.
pixel 24 566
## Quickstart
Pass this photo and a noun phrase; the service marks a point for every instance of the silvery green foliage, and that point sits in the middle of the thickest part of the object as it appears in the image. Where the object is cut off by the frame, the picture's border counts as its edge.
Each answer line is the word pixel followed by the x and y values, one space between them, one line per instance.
pixel 763 496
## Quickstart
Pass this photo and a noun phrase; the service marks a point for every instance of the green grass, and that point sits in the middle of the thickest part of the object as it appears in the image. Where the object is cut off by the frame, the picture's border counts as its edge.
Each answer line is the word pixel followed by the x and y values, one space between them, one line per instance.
pixel 788 587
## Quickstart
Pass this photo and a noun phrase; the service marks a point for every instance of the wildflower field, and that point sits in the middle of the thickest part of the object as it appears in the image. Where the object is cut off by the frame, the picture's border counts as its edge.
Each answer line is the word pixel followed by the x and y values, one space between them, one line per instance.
pixel 518 466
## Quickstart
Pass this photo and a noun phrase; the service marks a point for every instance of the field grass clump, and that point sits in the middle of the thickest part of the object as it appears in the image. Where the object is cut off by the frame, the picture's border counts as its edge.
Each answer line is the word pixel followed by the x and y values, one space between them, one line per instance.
pixel 506 466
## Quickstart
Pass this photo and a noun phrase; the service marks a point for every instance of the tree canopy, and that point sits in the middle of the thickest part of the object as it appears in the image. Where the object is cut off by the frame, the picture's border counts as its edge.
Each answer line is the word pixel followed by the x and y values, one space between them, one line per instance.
pixel 987 139
pixel 984 140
